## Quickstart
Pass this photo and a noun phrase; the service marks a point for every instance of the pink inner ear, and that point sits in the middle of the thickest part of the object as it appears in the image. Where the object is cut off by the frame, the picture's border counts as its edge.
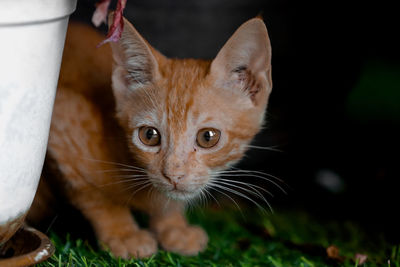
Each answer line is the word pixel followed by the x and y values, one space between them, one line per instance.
pixel 247 81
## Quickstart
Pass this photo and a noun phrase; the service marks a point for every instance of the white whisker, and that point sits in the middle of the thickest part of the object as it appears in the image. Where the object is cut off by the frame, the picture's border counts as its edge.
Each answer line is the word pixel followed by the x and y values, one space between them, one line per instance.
pixel 137 190
pixel 248 184
pixel 254 193
pixel 270 148
pixel 115 163
pixel 252 172
pixel 116 182
pixel 210 194
pixel 240 194
pixel 134 177
pixel 221 192
pixel 256 176
pixel 121 170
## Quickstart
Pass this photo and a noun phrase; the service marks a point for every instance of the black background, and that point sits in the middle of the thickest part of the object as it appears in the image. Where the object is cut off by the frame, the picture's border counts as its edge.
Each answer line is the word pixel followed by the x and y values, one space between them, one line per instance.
pixel 320 52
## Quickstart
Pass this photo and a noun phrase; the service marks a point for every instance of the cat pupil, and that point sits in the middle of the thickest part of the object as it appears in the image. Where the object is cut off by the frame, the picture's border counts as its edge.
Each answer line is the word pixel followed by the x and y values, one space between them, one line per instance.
pixel 208 135
pixel 150 133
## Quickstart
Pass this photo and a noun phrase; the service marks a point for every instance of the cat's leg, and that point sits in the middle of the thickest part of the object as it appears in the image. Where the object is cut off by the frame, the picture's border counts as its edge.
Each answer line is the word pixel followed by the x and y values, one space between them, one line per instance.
pixel 115 227
pixel 80 148
pixel 174 233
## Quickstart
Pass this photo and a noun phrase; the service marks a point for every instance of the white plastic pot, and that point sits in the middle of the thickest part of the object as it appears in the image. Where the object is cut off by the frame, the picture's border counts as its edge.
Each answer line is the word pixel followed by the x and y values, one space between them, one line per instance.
pixel 32 34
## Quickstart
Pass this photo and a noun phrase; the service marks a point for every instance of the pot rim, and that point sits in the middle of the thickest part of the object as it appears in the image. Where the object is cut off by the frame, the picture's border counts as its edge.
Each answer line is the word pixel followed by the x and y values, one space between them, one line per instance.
pixel 22 12
pixel 44 251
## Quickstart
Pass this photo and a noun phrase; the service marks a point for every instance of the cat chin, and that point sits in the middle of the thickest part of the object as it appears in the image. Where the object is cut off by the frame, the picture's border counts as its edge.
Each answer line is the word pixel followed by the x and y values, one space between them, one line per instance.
pixel 181 195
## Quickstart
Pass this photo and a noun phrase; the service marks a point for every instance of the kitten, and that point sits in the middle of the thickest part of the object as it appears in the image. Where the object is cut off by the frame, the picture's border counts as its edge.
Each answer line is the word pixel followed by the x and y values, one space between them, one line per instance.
pixel 151 132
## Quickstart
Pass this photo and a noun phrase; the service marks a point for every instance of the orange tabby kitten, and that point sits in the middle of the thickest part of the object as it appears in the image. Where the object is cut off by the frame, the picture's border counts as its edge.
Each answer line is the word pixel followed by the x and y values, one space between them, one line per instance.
pixel 134 129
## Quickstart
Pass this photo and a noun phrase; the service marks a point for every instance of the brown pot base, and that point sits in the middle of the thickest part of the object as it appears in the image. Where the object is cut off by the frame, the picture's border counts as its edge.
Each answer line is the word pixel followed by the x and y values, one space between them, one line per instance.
pixel 27 247
pixel 8 229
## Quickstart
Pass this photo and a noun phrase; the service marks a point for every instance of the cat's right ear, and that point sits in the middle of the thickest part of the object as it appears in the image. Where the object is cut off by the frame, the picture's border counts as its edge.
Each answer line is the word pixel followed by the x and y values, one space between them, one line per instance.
pixel 244 62
pixel 135 63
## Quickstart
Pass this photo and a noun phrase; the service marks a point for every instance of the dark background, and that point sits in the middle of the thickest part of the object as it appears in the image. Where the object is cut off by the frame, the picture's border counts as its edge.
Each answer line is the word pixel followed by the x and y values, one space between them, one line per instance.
pixel 335 106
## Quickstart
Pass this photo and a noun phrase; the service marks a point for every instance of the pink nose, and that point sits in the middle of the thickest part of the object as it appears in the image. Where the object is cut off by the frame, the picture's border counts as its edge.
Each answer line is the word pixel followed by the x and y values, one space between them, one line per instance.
pixel 173 179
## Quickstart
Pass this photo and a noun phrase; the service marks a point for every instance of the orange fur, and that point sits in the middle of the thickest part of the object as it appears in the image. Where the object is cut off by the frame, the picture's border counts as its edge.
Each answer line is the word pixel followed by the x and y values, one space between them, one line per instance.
pixel 94 144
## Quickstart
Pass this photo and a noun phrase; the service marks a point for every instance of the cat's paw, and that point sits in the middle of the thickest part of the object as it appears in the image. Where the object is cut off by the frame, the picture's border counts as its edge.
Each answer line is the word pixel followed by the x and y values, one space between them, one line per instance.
pixel 187 240
pixel 141 244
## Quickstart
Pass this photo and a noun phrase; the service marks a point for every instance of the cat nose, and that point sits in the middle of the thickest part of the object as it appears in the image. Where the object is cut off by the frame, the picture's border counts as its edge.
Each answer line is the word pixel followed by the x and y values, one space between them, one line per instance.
pixel 173 179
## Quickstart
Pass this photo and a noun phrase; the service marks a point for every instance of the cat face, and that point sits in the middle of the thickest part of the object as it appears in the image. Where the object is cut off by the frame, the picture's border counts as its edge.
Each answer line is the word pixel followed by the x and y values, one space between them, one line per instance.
pixel 187 119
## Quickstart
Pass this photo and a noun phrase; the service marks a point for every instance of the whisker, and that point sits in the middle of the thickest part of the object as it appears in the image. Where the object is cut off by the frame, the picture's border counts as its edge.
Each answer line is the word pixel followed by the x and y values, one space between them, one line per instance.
pixel 150 192
pixel 256 193
pixel 210 194
pixel 189 205
pixel 134 177
pixel 204 198
pixel 141 188
pixel 137 190
pixel 252 172
pixel 192 203
pixel 116 182
pixel 125 180
pixel 240 194
pixel 121 170
pixel 115 163
pixel 221 192
pixel 256 176
pixel 248 184
pixel 196 201
pixel 134 185
pixel 270 148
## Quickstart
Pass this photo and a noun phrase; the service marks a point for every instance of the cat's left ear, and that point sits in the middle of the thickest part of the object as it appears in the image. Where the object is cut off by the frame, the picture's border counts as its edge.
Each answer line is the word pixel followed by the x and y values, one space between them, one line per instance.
pixel 244 62
pixel 135 62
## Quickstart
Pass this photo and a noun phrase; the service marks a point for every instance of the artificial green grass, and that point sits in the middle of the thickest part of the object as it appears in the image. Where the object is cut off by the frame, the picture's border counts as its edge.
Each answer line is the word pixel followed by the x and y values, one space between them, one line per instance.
pixel 249 238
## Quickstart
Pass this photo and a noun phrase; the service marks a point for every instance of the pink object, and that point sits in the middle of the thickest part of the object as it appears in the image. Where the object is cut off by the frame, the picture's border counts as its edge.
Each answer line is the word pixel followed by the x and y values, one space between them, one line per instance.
pixel 100 14
pixel 117 26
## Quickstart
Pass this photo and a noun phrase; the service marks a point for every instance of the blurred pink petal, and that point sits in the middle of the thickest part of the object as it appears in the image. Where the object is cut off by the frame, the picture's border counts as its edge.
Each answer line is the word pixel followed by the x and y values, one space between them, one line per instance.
pixel 100 14
pixel 361 258
pixel 115 31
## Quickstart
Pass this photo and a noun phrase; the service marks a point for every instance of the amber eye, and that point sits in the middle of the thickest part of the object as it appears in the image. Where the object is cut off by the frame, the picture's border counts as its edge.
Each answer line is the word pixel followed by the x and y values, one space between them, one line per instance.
pixel 149 136
pixel 208 137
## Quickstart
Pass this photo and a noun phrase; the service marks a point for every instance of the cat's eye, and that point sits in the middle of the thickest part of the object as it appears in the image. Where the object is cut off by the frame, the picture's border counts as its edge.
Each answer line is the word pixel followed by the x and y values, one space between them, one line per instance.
pixel 149 136
pixel 208 137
